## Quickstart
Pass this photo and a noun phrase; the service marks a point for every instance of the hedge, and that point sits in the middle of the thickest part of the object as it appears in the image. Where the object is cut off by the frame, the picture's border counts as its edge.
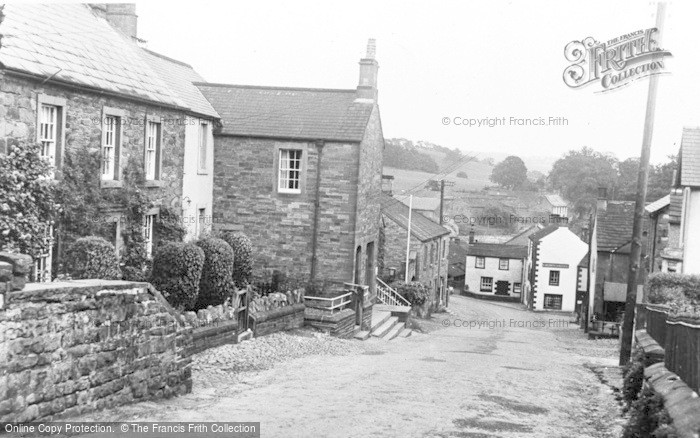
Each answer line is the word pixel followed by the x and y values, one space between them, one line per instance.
pixel 216 283
pixel 92 257
pixel 680 292
pixel 177 271
pixel 242 253
pixel 415 293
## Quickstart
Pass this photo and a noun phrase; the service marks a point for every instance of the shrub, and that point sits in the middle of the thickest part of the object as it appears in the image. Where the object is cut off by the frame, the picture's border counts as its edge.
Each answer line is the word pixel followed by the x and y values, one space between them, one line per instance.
pixel 415 293
pixel 462 174
pixel 649 417
pixel 633 378
pixel 680 292
pixel 177 271
pixel 168 228
pixel 92 257
pixel 242 253
pixel 216 282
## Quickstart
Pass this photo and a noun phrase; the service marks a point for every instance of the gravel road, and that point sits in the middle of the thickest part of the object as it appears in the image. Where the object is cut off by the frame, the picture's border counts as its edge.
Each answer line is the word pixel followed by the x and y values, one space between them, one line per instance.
pixel 484 370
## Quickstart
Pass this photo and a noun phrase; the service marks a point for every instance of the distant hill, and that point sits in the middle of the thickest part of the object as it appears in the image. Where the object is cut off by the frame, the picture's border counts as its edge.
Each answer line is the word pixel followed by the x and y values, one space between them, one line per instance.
pixel 403 154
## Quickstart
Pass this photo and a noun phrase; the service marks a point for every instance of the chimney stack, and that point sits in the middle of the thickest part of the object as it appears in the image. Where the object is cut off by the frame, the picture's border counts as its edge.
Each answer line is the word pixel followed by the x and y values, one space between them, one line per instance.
pixel 122 16
pixel 602 203
pixel 387 184
pixel 471 236
pixel 369 67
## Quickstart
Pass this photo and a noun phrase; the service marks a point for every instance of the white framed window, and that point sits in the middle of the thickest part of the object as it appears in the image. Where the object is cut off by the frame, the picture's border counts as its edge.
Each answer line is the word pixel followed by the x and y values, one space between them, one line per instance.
pixel 486 284
pixel 517 287
pixel 48 131
pixel 110 147
pixel 289 180
pixel 503 264
pixel 203 147
pixel 480 263
pixel 552 302
pixel 148 222
pixel 554 278
pixel 152 150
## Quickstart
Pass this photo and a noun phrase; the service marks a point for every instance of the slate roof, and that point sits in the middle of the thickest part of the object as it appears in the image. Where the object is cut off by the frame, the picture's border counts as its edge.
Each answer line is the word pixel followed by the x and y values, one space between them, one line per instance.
pixel 293 113
pixel 546 231
pixel 68 43
pixel 422 228
pixel 457 258
pixel 690 157
pixel 180 78
pixel 556 200
pixel 614 225
pixel 497 250
pixel 423 203
pixel 659 204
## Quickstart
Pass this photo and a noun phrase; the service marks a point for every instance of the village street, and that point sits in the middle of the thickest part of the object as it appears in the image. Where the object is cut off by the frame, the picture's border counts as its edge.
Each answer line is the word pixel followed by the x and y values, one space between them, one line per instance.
pixel 452 382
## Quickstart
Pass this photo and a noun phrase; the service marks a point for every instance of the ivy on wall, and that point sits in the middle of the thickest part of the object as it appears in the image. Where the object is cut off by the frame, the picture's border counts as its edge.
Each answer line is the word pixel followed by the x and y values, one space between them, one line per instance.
pixel 27 199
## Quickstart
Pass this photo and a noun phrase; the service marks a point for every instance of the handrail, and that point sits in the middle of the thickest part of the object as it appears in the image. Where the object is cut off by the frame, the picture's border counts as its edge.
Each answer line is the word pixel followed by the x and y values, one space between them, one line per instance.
pixel 387 295
pixel 344 301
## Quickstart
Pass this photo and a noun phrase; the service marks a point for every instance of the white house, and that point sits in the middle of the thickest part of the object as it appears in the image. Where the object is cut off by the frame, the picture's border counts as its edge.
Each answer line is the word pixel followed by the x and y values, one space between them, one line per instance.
pixel 558 206
pixel 495 270
pixel 200 121
pixel 687 193
pixel 554 255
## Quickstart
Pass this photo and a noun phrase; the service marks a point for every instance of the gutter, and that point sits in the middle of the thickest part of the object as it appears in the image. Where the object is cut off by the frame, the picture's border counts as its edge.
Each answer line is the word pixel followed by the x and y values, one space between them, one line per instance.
pixel 317 212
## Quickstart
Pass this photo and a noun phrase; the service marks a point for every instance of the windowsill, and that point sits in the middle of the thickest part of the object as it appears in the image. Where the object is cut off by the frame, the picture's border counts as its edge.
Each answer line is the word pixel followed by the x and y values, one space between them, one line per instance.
pixel 202 172
pixel 110 184
pixel 155 183
pixel 486 291
pixel 288 193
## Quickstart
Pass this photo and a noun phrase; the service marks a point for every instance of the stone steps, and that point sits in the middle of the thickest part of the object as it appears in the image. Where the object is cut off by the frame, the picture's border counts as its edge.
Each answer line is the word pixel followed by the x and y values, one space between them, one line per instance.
pixel 394 332
pixel 361 335
pixel 386 327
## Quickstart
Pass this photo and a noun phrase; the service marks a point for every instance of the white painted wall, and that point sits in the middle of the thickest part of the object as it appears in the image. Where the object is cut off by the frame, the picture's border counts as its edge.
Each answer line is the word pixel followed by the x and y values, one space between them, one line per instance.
pixel 691 233
pixel 472 275
pixel 197 186
pixel 561 247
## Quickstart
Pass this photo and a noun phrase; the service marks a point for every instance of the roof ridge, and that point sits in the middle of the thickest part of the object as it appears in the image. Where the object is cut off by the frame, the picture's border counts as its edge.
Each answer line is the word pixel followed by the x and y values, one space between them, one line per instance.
pixel 167 58
pixel 271 87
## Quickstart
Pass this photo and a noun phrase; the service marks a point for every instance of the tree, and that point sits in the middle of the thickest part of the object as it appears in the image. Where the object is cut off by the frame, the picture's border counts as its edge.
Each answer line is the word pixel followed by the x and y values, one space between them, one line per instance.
pixel 579 174
pixel 27 204
pixel 510 173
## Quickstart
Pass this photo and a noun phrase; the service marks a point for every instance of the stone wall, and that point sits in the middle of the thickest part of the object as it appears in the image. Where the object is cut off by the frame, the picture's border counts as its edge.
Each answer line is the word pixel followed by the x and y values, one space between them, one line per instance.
pixel 340 324
pixel 211 327
pixel 78 346
pixel 279 319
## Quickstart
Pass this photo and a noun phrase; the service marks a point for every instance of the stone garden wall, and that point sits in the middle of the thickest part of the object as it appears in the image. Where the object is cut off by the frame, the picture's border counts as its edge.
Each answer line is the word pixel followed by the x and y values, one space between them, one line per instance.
pixel 211 327
pixel 277 312
pixel 72 347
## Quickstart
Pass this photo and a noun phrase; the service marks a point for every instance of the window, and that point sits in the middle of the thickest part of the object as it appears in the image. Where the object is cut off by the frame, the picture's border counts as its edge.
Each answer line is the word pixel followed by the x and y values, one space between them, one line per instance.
pixel 486 284
pixel 149 219
pixel 152 152
pixel 552 302
pixel 111 145
pixel 517 288
pixel 480 263
pixel 201 220
pixel 444 249
pixel 48 120
pixel 503 264
pixel 290 171
pixel 554 278
pixel 202 155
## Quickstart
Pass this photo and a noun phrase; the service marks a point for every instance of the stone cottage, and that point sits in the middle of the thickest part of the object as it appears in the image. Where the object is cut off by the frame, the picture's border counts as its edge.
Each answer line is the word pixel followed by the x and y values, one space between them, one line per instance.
pixel 428 250
pixel 95 92
pixel 299 171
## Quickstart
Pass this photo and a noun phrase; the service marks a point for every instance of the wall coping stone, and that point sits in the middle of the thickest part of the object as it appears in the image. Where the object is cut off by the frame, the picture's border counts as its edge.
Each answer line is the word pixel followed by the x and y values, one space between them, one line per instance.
pixel 321 316
pixel 277 313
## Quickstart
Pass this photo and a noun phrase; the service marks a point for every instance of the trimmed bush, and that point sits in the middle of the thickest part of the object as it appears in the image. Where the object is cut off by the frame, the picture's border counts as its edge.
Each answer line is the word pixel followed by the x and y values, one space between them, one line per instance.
pixel 92 257
pixel 177 271
pixel 415 293
pixel 242 253
pixel 680 292
pixel 216 283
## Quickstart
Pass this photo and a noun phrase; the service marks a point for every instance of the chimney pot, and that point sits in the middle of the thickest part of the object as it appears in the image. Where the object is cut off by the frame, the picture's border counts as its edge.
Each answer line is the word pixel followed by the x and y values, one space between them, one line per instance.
pixel 602 203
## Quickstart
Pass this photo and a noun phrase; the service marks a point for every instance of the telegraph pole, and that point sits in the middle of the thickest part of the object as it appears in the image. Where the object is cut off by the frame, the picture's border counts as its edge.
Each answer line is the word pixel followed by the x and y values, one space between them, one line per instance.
pixel 642 178
pixel 408 237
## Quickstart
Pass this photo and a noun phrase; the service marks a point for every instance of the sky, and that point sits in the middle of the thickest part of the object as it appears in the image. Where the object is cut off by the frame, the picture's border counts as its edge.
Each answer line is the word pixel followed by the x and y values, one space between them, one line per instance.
pixel 447 59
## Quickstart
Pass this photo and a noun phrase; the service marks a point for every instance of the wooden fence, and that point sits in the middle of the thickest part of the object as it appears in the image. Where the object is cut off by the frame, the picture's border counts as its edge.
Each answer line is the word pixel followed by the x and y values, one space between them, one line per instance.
pixel 680 339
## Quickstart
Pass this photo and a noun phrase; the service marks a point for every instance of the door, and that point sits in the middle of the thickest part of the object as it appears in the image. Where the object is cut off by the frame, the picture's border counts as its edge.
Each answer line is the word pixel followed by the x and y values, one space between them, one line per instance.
pixel 502 287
